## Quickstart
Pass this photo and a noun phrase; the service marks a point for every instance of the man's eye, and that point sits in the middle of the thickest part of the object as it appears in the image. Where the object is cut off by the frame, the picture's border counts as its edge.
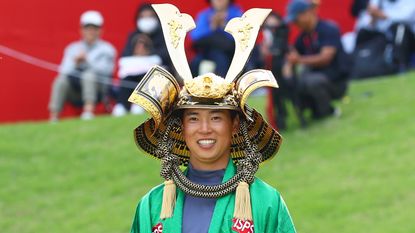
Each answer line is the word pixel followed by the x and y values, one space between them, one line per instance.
pixel 216 118
pixel 193 119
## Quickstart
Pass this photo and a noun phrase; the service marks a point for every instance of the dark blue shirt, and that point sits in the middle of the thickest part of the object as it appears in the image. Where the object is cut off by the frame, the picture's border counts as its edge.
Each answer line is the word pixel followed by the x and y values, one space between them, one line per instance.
pixel 325 34
pixel 203 21
pixel 197 212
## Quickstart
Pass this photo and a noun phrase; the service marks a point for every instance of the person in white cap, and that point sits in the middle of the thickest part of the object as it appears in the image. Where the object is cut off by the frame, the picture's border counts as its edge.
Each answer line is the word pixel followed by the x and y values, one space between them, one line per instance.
pixel 86 66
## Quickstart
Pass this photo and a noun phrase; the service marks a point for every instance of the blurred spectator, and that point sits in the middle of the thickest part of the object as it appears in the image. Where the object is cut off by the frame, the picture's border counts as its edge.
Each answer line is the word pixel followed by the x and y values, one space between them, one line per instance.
pixel 319 51
pixel 381 14
pixel 396 20
pixel 358 7
pixel 273 49
pixel 209 38
pixel 148 23
pixel 358 11
pixel 132 69
pixel 86 66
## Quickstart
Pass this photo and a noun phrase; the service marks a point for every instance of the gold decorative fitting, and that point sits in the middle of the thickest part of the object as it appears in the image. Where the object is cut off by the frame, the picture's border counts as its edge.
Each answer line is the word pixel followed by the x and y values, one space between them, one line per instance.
pixel 175 25
pixel 229 101
pixel 208 86
pixel 244 30
pixel 174 28
pixel 251 81
pixel 245 33
pixel 147 105
pixel 184 99
pixel 156 93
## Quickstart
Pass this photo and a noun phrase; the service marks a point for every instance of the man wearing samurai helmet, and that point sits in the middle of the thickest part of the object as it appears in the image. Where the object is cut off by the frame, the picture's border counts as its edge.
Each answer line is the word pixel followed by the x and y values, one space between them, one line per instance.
pixel 204 125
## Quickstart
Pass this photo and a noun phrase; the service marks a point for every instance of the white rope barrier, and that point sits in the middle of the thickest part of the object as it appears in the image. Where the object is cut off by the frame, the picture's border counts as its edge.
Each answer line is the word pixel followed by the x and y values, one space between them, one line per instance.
pixel 38 62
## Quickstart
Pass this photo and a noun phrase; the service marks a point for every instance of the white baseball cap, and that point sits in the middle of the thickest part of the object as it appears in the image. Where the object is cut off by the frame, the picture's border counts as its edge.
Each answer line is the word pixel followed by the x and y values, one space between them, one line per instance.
pixel 92 17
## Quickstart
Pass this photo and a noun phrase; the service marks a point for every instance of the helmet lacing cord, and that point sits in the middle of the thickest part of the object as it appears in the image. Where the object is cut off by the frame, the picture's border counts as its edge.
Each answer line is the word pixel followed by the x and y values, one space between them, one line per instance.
pixel 165 145
pixel 252 159
pixel 167 162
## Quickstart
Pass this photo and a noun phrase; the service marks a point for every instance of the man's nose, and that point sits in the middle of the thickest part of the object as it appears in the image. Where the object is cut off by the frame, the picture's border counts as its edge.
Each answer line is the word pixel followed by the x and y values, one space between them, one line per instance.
pixel 205 126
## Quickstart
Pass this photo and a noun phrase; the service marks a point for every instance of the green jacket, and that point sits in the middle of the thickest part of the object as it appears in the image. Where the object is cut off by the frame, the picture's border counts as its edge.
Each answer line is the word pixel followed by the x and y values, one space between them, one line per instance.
pixel 270 214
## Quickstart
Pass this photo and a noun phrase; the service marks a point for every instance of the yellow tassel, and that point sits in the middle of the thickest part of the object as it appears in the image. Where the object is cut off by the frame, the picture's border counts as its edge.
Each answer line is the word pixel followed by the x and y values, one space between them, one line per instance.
pixel 243 202
pixel 169 199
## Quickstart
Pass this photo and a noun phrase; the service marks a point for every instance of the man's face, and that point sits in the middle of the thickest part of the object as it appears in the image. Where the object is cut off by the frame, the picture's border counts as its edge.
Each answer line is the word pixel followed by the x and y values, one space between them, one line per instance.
pixel 272 22
pixel 208 134
pixel 147 13
pixel 304 19
pixel 142 46
pixel 90 33
pixel 220 5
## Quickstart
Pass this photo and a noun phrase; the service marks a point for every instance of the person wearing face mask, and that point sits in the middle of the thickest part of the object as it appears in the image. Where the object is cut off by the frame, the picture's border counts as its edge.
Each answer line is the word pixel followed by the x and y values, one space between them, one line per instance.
pixel 131 70
pixel 147 23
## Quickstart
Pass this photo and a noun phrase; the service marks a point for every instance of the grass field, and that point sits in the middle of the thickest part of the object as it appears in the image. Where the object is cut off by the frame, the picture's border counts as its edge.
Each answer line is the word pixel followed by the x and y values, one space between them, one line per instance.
pixel 355 173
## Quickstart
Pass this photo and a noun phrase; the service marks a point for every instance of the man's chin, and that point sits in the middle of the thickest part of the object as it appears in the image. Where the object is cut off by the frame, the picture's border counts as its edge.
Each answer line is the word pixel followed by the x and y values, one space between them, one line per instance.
pixel 206 149
pixel 206 158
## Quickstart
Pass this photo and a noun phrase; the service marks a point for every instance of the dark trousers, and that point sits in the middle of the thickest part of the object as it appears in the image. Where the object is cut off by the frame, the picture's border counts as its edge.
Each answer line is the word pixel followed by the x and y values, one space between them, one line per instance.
pixel 317 92
pixel 279 104
pixel 280 95
pixel 399 36
pixel 221 60
pixel 127 86
pixel 217 47
pixel 403 41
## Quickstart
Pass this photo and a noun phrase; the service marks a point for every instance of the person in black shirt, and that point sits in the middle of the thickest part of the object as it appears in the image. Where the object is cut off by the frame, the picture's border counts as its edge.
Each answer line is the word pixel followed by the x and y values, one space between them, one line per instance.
pixel 319 51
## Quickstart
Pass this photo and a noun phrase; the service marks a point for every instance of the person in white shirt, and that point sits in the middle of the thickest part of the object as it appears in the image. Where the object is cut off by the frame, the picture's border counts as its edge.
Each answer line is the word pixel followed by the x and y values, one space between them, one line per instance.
pixel 381 14
pixel 86 66
pixel 394 20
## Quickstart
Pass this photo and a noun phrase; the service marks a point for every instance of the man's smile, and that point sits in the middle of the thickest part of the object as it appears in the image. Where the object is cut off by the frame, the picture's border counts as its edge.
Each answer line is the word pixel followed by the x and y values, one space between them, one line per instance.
pixel 206 143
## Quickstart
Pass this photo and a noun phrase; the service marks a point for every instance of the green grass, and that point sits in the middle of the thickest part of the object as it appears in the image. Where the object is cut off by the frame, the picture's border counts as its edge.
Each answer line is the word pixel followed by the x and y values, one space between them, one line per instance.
pixel 349 174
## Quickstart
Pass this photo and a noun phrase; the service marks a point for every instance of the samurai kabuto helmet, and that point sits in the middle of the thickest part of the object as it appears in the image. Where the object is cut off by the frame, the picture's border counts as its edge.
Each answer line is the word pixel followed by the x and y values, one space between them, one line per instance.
pixel 163 96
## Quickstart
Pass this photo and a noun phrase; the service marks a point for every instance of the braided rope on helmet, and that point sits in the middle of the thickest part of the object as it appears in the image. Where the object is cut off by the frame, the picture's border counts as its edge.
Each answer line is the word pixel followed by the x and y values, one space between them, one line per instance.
pixel 211 191
pixel 168 160
pixel 246 168
pixel 252 159
pixel 205 191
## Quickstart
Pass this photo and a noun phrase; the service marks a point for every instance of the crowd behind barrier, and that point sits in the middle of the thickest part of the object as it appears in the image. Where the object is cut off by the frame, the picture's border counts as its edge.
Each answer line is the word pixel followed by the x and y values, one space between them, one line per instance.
pixel 313 71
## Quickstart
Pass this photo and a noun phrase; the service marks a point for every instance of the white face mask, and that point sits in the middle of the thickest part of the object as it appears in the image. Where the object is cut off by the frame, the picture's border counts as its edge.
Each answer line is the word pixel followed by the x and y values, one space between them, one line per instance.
pixel 147 24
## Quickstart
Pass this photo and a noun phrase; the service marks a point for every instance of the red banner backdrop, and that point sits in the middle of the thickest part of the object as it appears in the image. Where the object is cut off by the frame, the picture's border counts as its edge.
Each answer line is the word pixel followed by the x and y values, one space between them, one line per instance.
pixel 32 30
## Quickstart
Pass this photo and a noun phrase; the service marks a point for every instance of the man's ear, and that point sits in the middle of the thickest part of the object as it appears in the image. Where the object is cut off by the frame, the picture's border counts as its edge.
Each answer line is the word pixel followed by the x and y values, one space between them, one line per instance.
pixel 236 124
